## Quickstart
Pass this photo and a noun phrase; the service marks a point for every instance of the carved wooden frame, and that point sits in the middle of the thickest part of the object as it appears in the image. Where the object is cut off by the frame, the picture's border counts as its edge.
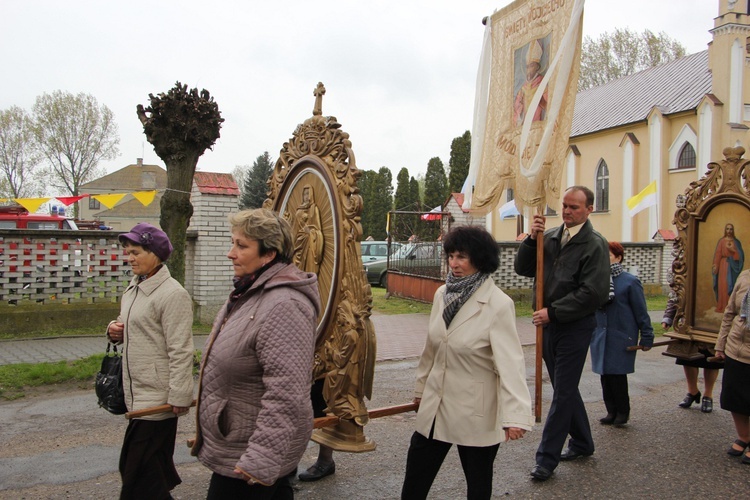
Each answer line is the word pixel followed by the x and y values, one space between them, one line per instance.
pixel 721 195
pixel 320 152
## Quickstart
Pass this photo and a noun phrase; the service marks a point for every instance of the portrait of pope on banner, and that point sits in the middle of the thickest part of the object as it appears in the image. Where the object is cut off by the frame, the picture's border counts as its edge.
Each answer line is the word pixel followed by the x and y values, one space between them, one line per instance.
pixel 530 64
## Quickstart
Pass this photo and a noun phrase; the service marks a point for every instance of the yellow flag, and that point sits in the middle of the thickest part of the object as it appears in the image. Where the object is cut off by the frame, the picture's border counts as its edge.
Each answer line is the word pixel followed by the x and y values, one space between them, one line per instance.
pixel 145 197
pixel 643 200
pixel 108 200
pixel 31 204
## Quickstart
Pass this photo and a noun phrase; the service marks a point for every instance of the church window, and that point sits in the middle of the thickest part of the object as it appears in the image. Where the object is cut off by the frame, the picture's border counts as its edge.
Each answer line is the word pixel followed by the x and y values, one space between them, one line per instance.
pixel 601 201
pixel 686 159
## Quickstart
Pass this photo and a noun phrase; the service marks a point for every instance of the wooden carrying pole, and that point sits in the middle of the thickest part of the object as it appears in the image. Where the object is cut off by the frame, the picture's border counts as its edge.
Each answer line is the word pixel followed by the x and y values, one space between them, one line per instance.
pixel 331 420
pixel 319 422
pixel 656 344
pixel 154 410
pixel 539 327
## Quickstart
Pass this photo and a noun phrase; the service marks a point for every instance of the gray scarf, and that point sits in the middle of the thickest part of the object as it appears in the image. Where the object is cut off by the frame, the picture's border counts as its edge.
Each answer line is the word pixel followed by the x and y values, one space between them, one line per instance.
pixel 458 291
pixel 615 270
pixel 745 307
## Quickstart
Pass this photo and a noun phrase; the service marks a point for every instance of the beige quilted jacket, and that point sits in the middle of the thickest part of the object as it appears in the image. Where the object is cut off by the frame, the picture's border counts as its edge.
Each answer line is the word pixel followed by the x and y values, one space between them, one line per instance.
pixel 254 411
pixel 158 344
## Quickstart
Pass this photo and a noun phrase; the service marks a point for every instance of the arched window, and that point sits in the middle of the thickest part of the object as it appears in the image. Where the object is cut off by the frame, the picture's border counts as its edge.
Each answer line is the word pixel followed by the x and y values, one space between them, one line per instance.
pixel 686 158
pixel 601 201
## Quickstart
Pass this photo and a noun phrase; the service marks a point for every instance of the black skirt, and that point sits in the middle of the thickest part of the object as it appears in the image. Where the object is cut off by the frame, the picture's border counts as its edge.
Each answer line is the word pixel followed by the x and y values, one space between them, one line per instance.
pixel 316 396
pixel 735 387
pixel 701 362
pixel 146 463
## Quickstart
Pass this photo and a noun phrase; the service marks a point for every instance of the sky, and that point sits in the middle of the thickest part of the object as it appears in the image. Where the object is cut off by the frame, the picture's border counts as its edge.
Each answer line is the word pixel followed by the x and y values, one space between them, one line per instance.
pixel 399 75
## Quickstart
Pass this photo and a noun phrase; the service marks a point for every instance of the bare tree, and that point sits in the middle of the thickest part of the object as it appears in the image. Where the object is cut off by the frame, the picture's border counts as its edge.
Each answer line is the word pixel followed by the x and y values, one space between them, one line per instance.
pixel 19 160
pixel 73 133
pixel 240 172
pixel 181 125
pixel 622 53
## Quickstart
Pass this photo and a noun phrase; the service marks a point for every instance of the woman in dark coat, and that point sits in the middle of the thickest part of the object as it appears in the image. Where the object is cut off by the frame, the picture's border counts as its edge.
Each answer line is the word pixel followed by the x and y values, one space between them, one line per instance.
pixel 617 327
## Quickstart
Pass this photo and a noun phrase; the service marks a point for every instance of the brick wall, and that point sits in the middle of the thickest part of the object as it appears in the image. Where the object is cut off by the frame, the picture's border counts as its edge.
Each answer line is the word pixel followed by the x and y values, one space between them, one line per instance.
pixel 650 261
pixel 89 267
pixel 208 267
pixel 61 267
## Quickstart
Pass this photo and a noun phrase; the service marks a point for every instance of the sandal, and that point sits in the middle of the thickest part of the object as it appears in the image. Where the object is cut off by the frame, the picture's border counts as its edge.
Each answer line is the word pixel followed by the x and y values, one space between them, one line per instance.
pixel 690 399
pixel 746 459
pixel 735 452
pixel 707 405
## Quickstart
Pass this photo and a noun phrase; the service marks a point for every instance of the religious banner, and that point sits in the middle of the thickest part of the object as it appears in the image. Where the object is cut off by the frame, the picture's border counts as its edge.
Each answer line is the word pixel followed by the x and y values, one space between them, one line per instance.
pixel 526 90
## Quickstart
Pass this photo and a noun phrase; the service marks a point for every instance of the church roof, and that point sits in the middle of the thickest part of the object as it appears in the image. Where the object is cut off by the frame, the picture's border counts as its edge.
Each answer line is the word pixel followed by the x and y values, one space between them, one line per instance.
pixel 673 87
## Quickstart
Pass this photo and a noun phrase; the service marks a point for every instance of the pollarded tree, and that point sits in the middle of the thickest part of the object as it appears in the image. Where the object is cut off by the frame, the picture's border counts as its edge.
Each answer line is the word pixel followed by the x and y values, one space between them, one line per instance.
pixel 181 125
pixel 622 53
pixel 18 157
pixel 256 182
pixel 458 164
pixel 73 133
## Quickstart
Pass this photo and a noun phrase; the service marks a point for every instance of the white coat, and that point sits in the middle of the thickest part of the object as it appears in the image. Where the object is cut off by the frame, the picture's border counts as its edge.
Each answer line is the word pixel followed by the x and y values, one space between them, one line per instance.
pixel 472 376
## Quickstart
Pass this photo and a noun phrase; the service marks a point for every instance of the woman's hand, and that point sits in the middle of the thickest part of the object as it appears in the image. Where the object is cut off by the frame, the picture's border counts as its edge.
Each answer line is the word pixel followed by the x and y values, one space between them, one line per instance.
pixel 115 331
pixel 513 433
pixel 721 355
pixel 180 410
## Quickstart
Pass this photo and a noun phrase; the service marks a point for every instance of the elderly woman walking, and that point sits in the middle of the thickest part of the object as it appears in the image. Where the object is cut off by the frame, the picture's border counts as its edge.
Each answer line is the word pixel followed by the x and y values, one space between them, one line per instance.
pixel 254 412
pixel 471 378
pixel 155 325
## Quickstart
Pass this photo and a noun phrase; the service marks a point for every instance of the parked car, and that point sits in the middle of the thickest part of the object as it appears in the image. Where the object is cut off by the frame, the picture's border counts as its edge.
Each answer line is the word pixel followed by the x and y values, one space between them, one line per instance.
pixel 377 250
pixel 424 259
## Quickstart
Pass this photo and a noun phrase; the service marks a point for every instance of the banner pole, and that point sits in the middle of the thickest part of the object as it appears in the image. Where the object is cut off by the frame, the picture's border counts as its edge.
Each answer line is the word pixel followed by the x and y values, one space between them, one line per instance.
pixel 539 327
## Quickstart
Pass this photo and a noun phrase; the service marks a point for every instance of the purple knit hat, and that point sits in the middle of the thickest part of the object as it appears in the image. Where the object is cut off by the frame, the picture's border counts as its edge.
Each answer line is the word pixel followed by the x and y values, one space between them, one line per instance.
pixel 151 238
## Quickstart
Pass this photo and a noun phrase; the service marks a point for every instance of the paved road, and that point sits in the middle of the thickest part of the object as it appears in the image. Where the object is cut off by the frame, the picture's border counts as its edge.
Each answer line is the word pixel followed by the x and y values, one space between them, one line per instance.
pixel 60 445
pixel 399 337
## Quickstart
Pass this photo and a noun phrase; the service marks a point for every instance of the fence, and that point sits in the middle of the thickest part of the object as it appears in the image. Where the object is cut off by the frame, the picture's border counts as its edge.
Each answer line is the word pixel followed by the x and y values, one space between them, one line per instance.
pixel 650 261
pixel 45 274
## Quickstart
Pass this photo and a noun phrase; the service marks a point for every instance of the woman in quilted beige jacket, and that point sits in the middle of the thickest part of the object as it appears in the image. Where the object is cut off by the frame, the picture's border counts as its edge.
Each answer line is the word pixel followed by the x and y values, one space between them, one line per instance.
pixel 155 325
pixel 254 412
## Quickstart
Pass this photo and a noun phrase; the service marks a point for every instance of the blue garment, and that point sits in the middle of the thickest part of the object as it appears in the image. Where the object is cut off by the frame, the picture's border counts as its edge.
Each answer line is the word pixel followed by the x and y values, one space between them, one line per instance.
pixel 733 269
pixel 617 327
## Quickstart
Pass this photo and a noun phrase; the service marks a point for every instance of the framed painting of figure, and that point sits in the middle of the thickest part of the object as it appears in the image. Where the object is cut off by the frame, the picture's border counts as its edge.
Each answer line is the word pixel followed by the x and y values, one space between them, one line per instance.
pixel 719 259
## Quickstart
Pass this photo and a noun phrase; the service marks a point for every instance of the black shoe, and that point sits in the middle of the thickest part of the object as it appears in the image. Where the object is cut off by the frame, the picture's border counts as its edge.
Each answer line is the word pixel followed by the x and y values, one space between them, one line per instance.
pixel 746 459
pixel 608 420
pixel 317 471
pixel 621 419
pixel 690 399
pixel 541 473
pixel 707 405
pixel 569 454
pixel 737 453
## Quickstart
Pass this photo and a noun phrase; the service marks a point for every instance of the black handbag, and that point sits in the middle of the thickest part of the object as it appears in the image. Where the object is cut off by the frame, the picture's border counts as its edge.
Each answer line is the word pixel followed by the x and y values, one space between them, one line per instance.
pixel 108 383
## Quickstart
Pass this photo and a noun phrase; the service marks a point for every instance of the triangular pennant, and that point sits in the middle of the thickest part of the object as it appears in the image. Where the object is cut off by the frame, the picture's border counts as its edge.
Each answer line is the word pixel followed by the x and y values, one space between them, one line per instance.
pixel 145 197
pixel 69 200
pixel 31 204
pixel 108 200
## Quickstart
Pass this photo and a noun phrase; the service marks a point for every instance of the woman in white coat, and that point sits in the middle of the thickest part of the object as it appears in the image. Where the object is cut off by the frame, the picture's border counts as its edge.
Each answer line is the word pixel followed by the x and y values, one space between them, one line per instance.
pixel 471 378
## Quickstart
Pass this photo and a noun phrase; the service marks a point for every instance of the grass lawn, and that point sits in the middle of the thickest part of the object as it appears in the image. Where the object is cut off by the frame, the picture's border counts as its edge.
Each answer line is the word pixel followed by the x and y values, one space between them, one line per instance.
pixel 15 379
